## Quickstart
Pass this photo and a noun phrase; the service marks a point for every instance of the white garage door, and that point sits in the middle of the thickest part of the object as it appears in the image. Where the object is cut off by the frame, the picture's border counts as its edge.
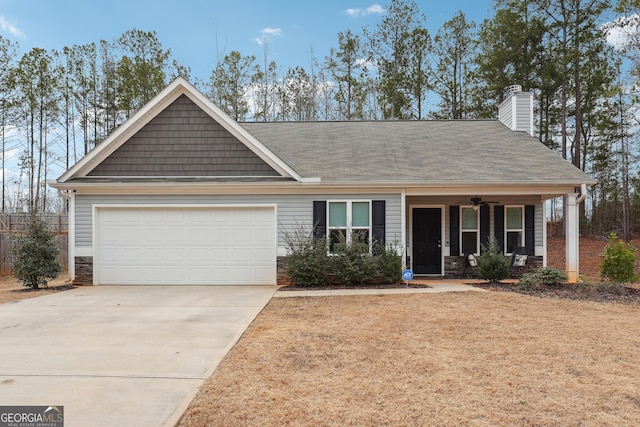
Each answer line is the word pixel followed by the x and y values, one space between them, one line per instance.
pixel 185 245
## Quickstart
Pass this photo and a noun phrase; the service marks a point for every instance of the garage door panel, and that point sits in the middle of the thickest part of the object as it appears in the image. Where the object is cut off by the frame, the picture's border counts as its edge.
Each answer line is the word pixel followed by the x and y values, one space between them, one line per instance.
pixel 220 255
pixel 185 245
pixel 264 254
pixel 175 275
pixel 153 234
pixel 155 255
pixel 242 235
pixel 220 235
pixel 132 235
pixel 176 254
pixel 175 235
pixel 198 275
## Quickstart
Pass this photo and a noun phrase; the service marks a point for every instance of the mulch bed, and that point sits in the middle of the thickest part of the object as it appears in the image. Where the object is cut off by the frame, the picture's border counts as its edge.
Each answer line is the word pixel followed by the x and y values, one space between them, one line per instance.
pixel 44 289
pixel 398 285
pixel 604 293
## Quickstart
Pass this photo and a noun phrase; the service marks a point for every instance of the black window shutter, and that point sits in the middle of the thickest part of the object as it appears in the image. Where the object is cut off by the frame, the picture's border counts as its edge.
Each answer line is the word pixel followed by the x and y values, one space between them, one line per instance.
pixel 485 224
pixel 498 225
pixel 454 230
pixel 378 221
pixel 320 219
pixel 530 229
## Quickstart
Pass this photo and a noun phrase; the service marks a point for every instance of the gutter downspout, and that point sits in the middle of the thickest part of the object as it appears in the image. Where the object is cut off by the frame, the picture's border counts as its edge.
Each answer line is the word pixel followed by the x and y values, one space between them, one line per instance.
pixel 583 194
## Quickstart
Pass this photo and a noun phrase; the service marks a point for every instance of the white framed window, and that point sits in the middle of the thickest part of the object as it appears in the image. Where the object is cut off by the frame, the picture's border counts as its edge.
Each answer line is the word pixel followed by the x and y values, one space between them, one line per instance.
pixel 349 224
pixel 469 230
pixel 513 228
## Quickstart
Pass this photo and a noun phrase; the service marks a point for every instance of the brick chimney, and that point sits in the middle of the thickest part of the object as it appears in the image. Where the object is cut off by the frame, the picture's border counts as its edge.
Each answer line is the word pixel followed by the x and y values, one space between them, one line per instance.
pixel 516 111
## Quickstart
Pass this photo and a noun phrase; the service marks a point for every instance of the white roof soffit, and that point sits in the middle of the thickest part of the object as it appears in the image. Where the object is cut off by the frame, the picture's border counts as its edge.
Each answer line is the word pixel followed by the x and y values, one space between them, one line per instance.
pixel 162 100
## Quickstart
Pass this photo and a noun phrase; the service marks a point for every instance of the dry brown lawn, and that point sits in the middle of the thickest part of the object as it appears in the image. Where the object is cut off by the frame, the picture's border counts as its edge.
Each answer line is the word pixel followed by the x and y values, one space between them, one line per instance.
pixel 476 358
pixel 12 290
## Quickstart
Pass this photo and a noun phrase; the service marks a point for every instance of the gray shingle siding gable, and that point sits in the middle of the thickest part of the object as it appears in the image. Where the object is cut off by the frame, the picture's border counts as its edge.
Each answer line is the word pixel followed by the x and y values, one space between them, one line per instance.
pixel 183 140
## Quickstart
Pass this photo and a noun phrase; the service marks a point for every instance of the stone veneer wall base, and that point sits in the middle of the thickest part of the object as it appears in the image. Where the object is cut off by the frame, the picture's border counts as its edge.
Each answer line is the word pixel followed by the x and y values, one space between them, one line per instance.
pixel 84 270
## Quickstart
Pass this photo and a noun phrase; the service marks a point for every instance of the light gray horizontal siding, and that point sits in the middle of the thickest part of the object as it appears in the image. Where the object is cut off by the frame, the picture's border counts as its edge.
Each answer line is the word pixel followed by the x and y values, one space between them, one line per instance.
pixel 505 112
pixel 293 210
pixel 539 223
pixel 523 114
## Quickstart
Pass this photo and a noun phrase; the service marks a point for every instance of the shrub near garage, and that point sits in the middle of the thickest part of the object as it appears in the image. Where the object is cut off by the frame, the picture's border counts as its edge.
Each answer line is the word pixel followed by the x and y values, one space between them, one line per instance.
pixel 307 258
pixel 309 264
pixel 34 255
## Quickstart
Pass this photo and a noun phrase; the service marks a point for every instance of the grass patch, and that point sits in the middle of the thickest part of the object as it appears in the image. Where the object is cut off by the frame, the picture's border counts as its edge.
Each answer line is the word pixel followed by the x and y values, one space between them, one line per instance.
pixel 492 358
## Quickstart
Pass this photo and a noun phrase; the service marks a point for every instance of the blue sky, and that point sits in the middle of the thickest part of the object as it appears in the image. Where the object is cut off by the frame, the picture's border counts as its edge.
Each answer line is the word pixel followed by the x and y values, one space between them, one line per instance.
pixel 195 30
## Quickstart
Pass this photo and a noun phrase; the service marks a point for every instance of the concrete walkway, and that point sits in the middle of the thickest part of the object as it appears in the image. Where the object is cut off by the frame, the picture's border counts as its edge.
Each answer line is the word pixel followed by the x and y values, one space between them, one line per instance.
pixel 435 286
pixel 121 356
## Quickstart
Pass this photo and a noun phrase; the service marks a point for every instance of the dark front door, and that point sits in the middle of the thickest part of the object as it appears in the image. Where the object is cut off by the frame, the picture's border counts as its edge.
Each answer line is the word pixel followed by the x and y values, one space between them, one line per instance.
pixel 427 241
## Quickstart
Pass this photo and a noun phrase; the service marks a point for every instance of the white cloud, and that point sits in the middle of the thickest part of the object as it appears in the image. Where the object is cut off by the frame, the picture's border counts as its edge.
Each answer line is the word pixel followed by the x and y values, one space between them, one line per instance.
pixel 374 9
pixel 271 31
pixel 366 64
pixel 12 29
pixel 623 32
pixel 11 154
pixel 266 33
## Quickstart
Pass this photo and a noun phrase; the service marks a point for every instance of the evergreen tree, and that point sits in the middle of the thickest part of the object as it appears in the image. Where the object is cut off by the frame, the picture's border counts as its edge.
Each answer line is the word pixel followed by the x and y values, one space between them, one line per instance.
pixel 345 67
pixel 229 83
pixel 454 47
pixel 141 69
pixel 8 56
pixel 34 255
pixel 389 50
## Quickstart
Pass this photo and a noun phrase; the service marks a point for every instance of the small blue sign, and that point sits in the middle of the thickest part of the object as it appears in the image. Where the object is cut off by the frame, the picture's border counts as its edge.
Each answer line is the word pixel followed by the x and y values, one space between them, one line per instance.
pixel 407 275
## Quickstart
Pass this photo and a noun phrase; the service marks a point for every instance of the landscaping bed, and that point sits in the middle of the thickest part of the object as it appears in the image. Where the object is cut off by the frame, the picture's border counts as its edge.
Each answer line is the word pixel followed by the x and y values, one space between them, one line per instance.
pixel 399 285
pixel 12 290
pixel 580 291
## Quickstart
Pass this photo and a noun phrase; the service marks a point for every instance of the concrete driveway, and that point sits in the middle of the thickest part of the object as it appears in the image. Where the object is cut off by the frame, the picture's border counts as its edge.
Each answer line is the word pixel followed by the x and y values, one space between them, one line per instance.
pixel 116 355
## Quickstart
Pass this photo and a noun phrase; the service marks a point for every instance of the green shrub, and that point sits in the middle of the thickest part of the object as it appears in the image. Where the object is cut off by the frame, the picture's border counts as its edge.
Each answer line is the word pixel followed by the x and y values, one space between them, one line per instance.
pixel 307 258
pixel 492 265
pixel 388 262
pixel 34 255
pixel 618 261
pixel 353 264
pixel 550 276
pixel 308 263
pixel 529 281
pixel 546 276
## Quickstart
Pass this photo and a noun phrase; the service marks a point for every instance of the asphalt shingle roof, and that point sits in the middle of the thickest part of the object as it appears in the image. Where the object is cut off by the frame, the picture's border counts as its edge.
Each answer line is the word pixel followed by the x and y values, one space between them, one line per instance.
pixel 457 151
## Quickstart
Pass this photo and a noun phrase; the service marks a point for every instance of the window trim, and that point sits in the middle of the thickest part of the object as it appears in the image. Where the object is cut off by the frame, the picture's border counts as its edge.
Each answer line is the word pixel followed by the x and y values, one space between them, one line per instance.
pixel 476 230
pixel 508 230
pixel 349 229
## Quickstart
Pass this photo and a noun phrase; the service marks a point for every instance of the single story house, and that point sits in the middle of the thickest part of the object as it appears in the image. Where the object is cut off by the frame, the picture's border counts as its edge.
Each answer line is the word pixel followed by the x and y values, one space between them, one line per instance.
pixel 182 194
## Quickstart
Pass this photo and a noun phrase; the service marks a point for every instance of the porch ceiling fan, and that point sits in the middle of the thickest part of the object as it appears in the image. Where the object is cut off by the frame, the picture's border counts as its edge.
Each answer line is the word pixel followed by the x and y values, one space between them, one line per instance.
pixel 476 202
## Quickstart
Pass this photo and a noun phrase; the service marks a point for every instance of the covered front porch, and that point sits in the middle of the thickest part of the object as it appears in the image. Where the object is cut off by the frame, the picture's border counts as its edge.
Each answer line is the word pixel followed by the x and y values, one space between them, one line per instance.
pixel 442 230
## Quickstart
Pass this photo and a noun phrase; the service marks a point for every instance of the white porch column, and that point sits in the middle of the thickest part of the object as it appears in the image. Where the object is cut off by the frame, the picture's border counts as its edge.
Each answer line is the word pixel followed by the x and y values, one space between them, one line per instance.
pixel 572 231
pixel 403 225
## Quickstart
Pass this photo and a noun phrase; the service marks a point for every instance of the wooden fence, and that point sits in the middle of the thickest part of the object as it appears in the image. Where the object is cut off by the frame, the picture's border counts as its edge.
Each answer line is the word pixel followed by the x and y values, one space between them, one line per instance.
pixel 10 224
